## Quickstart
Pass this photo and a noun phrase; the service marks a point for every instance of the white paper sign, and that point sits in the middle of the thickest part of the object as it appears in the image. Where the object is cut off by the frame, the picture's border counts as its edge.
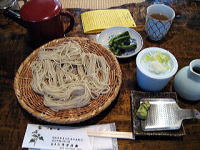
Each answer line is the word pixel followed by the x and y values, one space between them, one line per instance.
pixel 46 137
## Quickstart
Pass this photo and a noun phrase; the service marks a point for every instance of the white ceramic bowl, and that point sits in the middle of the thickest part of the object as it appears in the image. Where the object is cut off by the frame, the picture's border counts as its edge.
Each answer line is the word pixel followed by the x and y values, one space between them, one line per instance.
pixel 150 81
pixel 104 37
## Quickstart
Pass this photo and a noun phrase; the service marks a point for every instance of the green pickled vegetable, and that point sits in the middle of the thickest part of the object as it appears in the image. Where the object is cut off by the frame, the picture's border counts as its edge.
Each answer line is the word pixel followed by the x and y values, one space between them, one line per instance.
pixel 111 41
pixel 127 47
pixel 126 33
pixel 121 40
pixel 142 111
pixel 121 43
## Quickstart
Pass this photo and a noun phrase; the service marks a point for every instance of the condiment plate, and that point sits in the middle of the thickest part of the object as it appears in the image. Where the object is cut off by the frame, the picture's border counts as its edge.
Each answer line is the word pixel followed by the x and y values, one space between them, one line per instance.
pixel 104 37
pixel 136 96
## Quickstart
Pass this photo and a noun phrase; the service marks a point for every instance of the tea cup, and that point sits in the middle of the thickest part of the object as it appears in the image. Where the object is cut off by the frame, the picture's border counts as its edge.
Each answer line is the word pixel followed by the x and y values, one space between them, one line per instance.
pixel 158 21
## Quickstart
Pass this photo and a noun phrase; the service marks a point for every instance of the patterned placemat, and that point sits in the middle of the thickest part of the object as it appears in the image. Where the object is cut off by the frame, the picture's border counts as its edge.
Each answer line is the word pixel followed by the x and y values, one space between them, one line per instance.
pixel 96 4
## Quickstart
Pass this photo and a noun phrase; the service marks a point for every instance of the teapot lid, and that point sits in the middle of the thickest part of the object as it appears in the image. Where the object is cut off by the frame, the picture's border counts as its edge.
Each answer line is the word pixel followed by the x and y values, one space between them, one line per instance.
pixel 39 10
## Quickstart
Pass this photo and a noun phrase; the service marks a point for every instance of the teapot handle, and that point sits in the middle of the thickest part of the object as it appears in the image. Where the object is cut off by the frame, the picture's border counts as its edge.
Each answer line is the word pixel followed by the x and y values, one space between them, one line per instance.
pixel 71 23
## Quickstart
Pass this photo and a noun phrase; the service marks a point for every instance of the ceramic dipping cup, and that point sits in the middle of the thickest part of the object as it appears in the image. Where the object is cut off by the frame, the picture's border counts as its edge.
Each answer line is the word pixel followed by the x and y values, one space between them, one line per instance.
pixel 151 75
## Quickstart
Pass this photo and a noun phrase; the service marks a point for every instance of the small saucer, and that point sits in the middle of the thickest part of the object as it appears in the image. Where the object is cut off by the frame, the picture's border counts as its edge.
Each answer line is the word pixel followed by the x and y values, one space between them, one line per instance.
pixel 104 37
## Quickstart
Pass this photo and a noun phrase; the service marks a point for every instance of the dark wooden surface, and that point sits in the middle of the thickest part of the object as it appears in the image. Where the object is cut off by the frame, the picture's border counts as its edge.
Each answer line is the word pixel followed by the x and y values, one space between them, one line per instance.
pixel 183 41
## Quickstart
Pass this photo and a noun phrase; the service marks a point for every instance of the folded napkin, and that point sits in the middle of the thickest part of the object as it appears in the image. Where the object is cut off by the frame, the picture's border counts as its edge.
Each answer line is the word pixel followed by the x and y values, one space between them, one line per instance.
pixel 96 143
pixel 97 20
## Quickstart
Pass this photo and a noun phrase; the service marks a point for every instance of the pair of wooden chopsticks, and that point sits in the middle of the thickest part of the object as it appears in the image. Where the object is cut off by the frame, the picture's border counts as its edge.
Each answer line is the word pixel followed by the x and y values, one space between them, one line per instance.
pixel 111 134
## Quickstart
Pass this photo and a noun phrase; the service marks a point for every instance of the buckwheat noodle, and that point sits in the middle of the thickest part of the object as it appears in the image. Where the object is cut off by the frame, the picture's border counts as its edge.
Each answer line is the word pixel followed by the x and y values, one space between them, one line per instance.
pixel 67 77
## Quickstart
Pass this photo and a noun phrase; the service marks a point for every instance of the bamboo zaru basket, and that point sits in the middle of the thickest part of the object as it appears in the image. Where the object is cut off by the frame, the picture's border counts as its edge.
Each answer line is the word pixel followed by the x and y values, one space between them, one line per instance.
pixel 33 102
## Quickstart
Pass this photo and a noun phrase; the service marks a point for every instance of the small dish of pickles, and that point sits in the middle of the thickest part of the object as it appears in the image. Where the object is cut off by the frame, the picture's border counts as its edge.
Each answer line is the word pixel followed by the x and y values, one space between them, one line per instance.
pixel 124 42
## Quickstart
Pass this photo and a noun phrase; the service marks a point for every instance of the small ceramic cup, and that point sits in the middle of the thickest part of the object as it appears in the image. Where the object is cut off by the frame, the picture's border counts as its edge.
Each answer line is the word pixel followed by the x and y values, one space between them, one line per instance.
pixel 156 27
pixel 149 81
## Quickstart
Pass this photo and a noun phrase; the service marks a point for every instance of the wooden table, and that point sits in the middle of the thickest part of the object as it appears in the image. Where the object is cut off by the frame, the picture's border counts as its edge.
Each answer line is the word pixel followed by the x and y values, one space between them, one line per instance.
pixel 183 41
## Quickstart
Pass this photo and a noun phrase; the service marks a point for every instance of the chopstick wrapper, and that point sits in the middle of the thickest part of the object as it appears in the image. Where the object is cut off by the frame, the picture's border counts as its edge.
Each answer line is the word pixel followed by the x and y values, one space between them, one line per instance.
pixel 97 20
pixel 47 137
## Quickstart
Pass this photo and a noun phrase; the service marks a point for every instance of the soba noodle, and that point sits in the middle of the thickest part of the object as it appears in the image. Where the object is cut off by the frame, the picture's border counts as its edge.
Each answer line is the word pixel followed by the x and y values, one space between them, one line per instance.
pixel 67 77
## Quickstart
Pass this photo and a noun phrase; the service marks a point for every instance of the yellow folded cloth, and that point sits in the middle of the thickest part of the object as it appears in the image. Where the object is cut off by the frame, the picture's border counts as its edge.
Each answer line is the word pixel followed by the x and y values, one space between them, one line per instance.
pixel 97 20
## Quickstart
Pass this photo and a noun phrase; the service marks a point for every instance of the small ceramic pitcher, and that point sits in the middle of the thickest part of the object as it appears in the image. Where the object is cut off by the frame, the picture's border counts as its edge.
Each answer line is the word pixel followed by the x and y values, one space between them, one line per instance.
pixel 187 81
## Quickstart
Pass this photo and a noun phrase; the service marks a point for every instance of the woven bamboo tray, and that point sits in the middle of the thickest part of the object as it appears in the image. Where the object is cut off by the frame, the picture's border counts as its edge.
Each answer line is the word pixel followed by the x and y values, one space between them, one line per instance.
pixel 33 103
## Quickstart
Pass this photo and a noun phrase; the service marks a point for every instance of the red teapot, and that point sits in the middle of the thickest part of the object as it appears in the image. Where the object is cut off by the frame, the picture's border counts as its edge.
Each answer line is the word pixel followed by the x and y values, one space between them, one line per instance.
pixel 43 19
